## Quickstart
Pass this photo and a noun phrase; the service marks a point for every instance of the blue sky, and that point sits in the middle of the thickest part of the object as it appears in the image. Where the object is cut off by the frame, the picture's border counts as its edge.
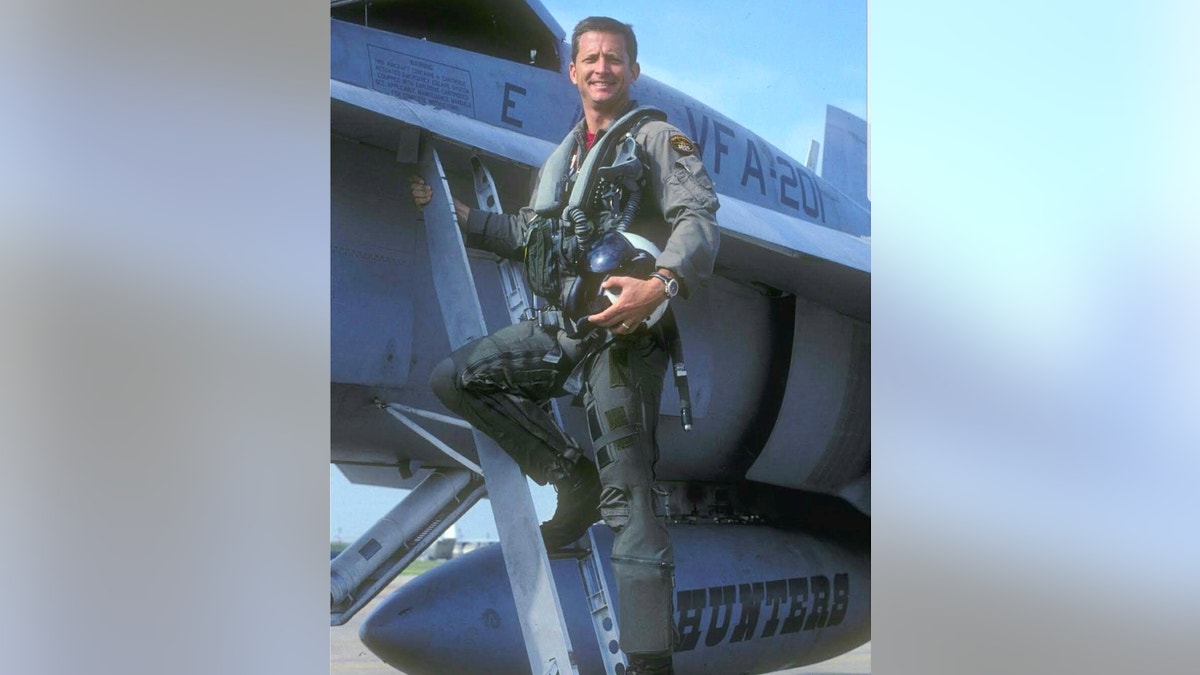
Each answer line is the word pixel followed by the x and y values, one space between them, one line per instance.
pixel 771 66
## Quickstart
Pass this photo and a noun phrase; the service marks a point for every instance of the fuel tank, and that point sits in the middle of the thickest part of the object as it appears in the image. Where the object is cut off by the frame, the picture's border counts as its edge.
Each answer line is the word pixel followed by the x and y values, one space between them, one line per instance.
pixel 749 599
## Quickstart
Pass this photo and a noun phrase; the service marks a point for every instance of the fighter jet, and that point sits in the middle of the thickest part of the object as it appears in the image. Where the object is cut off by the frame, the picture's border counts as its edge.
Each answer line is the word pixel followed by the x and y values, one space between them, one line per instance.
pixel 768 494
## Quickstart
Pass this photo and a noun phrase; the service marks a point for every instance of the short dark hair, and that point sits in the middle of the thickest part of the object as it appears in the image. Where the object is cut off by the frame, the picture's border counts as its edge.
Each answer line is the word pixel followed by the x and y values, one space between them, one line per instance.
pixel 603 24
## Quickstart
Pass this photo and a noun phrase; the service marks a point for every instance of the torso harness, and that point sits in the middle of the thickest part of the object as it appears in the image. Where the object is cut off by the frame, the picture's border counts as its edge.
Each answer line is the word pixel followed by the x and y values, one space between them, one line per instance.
pixel 571 248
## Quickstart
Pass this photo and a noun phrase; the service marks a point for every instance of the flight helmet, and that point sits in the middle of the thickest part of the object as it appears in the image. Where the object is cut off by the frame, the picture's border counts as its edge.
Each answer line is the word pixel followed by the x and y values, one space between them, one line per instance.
pixel 613 253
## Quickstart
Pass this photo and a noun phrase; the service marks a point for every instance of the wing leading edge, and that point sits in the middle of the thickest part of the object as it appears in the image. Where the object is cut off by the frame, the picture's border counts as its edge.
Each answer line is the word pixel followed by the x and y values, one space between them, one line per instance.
pixel 760 245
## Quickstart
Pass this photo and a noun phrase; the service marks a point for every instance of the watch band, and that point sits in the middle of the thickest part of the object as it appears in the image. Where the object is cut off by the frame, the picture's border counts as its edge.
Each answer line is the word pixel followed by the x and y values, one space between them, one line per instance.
pixel 671 286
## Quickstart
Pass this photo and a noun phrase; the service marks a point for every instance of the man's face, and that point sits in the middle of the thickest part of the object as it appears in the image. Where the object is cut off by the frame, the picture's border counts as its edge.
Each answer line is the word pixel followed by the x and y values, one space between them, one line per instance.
pixel 602 71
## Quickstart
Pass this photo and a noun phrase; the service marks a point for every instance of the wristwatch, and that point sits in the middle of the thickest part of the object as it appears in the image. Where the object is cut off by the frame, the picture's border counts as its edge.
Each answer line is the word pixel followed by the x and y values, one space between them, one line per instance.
pixel 672 285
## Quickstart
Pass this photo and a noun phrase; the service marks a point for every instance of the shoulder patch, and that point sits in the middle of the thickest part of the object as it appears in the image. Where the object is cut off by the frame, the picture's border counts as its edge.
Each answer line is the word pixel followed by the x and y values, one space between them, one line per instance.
pixel 682 143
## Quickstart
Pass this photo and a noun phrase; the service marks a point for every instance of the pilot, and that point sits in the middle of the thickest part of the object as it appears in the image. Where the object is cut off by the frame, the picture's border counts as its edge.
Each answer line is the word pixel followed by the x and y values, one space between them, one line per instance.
pixel 500 381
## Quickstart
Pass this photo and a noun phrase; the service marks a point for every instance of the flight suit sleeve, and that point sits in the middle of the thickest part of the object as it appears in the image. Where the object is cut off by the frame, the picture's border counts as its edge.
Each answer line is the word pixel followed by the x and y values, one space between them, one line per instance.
pixel 500 233
pixel 688 200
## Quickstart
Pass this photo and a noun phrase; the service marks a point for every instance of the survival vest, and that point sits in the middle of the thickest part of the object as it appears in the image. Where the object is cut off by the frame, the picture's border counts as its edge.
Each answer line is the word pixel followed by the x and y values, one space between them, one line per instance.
pixel 573 209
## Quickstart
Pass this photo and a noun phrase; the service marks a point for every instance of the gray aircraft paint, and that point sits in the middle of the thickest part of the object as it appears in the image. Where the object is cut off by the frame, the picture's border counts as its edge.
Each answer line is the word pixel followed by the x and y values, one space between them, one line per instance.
pixel 777 345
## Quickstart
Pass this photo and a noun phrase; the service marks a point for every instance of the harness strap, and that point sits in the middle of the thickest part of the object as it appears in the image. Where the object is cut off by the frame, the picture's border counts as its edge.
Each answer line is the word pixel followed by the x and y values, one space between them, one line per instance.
pixel 603 453
pixel 551 187
pixel 550 318
pixel 589 174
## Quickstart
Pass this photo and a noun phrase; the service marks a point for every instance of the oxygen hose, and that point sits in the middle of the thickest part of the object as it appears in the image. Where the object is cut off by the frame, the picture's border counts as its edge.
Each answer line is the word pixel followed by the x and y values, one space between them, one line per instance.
pixel 631 207
pixel 583 228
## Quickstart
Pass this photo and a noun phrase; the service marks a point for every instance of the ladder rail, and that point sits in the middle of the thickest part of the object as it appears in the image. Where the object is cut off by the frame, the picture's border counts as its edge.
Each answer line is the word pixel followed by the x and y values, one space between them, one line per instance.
pixel 595 588
pixel 539 610
pixel 595 584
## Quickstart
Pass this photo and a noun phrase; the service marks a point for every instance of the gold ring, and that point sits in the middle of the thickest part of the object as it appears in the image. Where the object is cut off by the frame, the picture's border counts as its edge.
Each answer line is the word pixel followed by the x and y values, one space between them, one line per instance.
pixel 624 325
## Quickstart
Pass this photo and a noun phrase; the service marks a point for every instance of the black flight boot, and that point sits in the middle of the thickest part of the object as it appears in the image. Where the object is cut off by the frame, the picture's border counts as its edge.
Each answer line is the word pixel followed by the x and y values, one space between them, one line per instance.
pixel 650 664
pixel 578 505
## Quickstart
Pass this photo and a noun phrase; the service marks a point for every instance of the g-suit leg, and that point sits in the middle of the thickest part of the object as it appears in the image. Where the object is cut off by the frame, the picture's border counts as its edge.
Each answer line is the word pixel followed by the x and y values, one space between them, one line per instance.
pixel 624 384
pixel 497 384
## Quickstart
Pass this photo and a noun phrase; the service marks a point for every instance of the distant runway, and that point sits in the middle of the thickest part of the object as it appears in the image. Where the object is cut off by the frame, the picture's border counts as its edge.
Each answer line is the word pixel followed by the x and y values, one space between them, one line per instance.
pixel 348 655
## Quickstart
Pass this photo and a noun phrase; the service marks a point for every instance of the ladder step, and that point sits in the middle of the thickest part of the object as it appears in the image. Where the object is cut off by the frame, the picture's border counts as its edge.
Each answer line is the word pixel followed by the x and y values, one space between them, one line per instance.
pixel 596 590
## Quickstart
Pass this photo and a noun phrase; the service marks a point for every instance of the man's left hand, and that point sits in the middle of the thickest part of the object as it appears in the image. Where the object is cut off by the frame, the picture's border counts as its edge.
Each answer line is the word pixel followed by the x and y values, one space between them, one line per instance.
pixel 636 300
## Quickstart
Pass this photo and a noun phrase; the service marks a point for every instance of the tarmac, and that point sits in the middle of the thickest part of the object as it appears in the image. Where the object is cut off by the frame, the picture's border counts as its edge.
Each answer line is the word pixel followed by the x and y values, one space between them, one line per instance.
pixel 348 655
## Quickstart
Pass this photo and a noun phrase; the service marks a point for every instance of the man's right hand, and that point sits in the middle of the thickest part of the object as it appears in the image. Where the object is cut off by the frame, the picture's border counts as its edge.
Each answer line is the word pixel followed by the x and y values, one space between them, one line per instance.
pixel 422 194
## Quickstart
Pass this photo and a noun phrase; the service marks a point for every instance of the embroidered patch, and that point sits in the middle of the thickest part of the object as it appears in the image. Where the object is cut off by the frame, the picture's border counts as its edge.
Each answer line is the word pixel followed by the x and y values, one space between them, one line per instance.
pixel 617 419
pixel 682 143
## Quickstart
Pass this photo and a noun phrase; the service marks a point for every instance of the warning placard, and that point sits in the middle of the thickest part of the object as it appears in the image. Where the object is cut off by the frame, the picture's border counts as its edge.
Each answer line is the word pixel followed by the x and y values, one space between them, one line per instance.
pixel 421 81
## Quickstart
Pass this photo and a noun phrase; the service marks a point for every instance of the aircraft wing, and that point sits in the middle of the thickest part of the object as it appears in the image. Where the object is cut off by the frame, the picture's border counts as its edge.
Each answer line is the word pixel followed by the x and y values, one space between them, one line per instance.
pixel 372 117
pixel 796 256
pixel 758 244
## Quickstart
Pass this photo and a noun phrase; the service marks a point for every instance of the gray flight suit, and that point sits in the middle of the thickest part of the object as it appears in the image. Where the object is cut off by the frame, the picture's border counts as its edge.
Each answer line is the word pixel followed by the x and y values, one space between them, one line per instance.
pixel 498 383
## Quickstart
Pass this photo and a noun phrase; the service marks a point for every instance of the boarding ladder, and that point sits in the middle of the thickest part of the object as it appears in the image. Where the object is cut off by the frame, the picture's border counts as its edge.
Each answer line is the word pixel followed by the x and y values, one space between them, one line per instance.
pixel 366 567
pixel 595 585
pixel 535 593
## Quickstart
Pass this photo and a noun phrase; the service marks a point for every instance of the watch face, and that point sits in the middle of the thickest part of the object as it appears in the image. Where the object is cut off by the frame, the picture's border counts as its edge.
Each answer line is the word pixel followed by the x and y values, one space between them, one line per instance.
pixel 671 286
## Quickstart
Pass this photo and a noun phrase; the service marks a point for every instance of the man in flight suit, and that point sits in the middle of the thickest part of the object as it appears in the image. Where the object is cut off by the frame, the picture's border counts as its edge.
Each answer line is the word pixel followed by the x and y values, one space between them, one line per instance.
pixel 498 382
